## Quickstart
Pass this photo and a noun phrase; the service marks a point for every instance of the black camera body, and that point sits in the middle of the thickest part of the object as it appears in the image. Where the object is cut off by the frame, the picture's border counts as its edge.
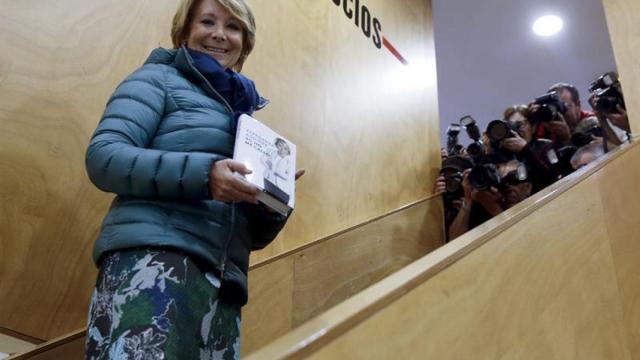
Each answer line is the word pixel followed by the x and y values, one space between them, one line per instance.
pixel 560 160
pixel 452 169
pixel 476 148
pixel 608 93
pixel 550 106
pixel 498 130
pixel 452 139
pixel 483 177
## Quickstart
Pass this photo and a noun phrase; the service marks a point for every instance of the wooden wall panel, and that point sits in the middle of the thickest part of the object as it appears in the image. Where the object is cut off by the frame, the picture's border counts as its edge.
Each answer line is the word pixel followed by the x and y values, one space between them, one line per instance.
pixel 623 17
pixel 369 142
pixel 290 290
pixel 621 209
pixel 270 310
pixel 59 65
pixel 367 139
pixel 331 272
pixel 543 289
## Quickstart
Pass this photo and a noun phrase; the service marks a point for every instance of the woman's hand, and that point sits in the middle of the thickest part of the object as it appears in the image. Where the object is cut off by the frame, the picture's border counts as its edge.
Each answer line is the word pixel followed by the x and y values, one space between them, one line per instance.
pixel 514 144
pixel 225 186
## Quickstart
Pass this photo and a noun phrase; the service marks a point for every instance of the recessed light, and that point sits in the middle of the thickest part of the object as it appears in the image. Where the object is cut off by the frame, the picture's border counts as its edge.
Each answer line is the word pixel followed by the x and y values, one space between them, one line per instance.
pixel 548 25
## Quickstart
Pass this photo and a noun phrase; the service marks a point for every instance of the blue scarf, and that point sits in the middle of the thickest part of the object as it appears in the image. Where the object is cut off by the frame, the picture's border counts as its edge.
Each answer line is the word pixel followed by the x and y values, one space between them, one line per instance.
pixel 236 89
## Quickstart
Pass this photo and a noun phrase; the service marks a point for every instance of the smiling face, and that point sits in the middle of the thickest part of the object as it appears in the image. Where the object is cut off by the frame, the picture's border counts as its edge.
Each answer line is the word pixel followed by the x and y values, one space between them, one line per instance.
pixel 215 31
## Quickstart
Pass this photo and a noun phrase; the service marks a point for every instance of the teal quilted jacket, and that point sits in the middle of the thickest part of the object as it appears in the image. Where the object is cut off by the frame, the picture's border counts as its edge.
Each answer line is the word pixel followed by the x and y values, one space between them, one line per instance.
pixel 162 129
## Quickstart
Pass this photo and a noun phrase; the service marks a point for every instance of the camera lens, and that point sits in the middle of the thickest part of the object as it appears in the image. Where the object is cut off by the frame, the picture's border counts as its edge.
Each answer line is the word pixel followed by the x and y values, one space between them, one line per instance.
pixel 543 114
pixel 498 130
pixel 475 150
pixel 453 182
pixel 484 176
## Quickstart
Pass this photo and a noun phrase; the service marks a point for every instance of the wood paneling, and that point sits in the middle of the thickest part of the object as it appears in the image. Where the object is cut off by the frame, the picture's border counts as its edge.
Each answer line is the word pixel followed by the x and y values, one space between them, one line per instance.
pixel 289 290
pixel 67 347
pixel 623 17
pixel 621 217
pixel 552 278
pixel 270 310
pixel 331 272
pixel 368 140
pixel 545 289
pixel 12 345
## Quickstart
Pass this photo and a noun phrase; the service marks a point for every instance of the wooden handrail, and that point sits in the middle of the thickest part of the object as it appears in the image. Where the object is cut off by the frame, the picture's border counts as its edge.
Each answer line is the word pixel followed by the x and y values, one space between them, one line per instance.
pixel 339 233
pixel 321 330
pixel 52 344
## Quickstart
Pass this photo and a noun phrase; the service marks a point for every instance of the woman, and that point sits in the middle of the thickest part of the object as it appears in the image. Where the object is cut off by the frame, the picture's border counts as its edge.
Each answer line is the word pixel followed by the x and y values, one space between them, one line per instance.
pixel 528 147
pixel 173 251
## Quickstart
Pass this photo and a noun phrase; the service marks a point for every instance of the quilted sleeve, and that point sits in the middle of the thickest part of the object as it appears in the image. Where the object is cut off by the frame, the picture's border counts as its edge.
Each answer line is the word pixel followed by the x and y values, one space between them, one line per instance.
pixel 118 160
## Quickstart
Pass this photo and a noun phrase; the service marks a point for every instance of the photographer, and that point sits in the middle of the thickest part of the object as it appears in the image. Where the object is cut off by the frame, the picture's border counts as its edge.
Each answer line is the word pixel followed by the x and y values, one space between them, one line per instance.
pixel 526 147
pixel 449 185
pixel 510 186
pixel 570 96
pixel 608 104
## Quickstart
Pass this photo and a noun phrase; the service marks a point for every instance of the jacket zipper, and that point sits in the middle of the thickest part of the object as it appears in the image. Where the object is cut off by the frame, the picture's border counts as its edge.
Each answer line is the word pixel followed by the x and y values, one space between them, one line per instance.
pixel 212 91
pixel 223 262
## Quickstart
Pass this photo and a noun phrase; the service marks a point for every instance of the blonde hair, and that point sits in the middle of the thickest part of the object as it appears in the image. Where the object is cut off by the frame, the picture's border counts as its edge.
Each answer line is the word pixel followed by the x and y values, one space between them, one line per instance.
pixel 238 8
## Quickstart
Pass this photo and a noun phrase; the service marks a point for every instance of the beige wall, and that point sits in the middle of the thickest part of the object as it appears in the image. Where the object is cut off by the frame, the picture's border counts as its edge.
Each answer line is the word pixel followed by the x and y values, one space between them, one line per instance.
pixel 623 17
pixel 369 142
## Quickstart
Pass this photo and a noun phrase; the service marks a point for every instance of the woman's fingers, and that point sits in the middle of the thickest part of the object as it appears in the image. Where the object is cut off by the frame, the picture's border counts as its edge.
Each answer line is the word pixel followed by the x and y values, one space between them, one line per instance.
pixel 241 185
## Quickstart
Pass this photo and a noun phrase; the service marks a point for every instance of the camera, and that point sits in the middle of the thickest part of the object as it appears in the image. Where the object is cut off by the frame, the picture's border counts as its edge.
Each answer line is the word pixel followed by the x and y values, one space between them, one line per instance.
pixel 498 130
pixel 585 132
pixel 452 169
pixel 607 93
pixel 483 177
pixel 560 160
pixel 515 177
pixel 475 149
pixel 452 139
pixel 550 106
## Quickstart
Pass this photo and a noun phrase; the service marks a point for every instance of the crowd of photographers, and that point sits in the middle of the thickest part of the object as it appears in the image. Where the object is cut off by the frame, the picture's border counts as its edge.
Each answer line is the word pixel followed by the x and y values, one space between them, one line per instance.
pixel 532 146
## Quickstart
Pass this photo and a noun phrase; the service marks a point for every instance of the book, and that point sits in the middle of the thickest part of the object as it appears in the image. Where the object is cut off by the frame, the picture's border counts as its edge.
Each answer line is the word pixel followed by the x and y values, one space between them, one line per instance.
pixel 272 160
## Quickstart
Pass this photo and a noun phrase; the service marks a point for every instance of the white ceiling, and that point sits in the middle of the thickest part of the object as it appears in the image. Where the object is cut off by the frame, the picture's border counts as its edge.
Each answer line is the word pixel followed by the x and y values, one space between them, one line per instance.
pixel 488 57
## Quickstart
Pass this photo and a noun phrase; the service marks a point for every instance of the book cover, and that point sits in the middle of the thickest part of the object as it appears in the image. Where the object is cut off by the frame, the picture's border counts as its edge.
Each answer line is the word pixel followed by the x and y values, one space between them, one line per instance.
pixel 272 158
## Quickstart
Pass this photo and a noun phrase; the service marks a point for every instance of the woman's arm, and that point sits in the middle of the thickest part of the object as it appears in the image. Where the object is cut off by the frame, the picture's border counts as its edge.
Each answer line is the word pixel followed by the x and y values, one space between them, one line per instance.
pixel 118 159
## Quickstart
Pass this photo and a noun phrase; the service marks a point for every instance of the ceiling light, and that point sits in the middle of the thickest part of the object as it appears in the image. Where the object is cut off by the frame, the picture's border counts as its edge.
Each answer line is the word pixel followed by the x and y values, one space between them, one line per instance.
pixel 548 25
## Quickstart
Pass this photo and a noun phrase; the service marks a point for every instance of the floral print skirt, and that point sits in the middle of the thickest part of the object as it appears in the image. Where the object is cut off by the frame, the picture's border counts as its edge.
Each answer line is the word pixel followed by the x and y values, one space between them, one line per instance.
pixel 153 304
